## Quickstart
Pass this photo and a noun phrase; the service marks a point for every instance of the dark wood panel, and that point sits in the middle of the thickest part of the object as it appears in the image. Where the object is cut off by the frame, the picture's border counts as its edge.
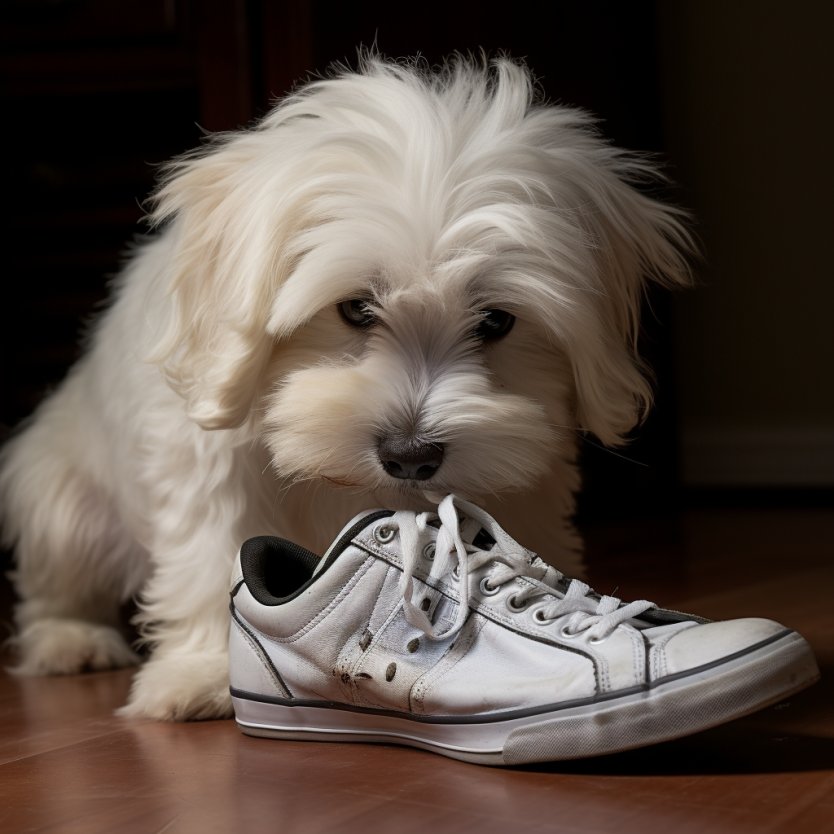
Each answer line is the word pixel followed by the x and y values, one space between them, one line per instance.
pixel 37 23
pixel 99 94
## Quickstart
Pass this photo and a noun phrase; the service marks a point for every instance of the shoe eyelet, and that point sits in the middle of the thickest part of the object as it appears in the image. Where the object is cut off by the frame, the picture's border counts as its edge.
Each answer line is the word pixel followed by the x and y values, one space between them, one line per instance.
pixel 564 631
pixel 384 533
pixel 539 617
pixel 515 606
pixel 596 640
pixel 428 551
pixel 488 590
pixel 456 572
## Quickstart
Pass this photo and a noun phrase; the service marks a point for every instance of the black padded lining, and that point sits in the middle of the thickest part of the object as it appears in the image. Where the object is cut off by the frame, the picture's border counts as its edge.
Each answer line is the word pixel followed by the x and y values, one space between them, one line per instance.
pixel 483 540
pixel 276 570
pixel 663 616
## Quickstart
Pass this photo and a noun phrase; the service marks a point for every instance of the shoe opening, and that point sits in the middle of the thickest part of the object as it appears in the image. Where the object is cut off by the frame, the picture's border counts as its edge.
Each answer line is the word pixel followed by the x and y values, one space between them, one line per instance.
pixel 275 569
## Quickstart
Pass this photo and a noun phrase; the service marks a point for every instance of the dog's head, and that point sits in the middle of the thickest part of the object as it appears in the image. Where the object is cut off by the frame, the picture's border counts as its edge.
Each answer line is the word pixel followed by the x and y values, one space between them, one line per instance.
pixel 415 281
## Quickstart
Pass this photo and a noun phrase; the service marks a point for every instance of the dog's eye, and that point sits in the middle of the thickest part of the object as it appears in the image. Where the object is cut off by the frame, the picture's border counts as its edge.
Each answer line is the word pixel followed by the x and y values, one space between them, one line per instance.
pixel 495 324
pixel 357 312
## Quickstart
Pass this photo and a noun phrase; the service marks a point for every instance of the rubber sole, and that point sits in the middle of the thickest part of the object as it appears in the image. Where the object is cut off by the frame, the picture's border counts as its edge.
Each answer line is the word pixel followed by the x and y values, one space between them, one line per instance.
pixel 670 708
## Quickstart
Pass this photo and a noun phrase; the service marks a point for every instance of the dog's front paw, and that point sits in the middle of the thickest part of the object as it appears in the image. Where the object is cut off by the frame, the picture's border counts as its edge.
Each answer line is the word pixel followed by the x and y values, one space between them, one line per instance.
pixel 187 687
pixel 57 646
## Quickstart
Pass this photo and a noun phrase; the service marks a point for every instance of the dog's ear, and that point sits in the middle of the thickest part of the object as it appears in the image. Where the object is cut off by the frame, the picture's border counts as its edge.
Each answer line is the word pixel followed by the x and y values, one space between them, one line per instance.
pixel 219 267
pixel 635 240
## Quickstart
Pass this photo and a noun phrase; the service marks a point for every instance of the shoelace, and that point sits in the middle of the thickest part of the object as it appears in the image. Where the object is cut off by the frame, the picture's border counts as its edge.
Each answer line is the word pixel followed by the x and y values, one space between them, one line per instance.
pixel 454 558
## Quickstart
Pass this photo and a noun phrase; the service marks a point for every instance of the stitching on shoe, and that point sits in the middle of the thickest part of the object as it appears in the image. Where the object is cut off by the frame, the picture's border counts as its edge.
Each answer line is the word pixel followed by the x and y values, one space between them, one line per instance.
pixel 259 650
pixel 637 653
pixel 661 668
pixel 444 665
pixel 638 664
pixel 647 658
pixel 382 612
pixel 368 658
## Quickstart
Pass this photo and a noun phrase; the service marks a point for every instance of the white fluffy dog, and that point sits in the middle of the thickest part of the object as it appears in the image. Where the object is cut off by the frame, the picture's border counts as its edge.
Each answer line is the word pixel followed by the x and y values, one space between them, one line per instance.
pixel 401 283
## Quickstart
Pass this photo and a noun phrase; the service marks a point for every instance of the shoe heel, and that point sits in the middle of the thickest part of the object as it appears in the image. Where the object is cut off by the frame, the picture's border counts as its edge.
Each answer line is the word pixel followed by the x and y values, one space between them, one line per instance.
pixel 250 668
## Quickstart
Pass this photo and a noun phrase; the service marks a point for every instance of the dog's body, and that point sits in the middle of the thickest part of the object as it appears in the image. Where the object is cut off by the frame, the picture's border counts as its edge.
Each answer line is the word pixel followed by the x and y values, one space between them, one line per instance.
pixel 398 285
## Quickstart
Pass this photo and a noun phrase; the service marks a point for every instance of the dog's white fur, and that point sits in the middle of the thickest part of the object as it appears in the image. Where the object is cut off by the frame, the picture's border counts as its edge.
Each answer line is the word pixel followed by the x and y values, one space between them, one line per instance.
pixel 222 396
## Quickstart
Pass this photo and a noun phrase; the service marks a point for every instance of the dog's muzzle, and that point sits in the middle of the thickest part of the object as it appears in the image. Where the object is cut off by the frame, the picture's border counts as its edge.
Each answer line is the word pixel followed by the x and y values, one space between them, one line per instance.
pixel 409 459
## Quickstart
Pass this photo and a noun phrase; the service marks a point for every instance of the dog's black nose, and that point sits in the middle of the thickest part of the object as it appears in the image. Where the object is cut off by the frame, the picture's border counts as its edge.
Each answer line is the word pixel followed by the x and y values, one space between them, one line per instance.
pixel 409 459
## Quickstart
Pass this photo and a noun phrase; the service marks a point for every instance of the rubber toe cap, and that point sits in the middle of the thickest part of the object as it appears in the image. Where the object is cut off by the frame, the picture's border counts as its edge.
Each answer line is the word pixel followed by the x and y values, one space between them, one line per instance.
pixel 714 642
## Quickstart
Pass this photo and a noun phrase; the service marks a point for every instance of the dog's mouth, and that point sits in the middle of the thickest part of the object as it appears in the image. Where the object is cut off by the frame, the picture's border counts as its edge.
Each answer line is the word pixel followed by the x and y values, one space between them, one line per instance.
pixel 404 488
pixel 340 482
pixel 398 484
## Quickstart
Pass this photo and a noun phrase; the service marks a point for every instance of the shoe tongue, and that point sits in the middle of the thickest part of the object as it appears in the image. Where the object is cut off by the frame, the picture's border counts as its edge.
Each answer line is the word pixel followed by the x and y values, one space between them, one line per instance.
pixel 349 532
pixel 477 536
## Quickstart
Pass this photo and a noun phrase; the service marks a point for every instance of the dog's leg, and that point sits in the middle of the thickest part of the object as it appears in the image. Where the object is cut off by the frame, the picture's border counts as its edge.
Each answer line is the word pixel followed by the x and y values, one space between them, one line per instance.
pixel 185 616
pixel 198 524
pixel 75 564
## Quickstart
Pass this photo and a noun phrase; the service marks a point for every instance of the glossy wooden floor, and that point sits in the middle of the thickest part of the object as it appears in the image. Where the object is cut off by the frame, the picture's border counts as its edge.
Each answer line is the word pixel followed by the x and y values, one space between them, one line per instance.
pixel 68 765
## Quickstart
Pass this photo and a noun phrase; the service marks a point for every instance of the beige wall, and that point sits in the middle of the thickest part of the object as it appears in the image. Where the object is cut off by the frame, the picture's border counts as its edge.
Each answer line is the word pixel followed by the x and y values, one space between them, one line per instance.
pixel 749 95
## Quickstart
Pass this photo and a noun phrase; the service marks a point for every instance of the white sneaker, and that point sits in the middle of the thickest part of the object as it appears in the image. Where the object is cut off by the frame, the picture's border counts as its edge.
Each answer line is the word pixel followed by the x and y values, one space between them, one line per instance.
pixel 373 644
